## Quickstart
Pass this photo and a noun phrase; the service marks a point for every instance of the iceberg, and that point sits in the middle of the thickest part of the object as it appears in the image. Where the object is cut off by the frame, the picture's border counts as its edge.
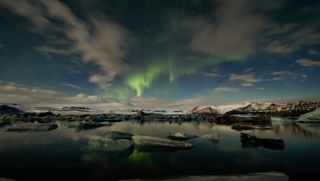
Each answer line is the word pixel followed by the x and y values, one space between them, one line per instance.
pixel 214 137
pixel 100 143
pixel 181 136
pixel 157 141
pixel 32 127
pixel 311 117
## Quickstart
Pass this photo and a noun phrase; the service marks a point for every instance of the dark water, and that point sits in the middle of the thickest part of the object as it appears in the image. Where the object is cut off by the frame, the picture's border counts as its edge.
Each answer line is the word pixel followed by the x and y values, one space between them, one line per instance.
pixel 61 154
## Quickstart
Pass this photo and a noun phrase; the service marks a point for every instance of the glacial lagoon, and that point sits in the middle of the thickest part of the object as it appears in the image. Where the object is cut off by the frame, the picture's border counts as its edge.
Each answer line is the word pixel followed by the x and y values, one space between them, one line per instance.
pixel 64 154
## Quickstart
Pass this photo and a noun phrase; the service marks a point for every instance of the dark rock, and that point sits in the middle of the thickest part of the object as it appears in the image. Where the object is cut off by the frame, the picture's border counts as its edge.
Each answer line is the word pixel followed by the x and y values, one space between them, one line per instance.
pixel 5 109
pixel 230 119
pixel 242 127
pixel 118 135
pixel 4 122
pixel 250 141
pixel 77 108
pixel 140 115
pixel 92 125
pixel 43 114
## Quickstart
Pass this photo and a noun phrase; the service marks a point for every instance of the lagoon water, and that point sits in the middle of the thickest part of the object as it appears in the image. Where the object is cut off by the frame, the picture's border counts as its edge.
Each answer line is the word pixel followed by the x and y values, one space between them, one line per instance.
pixel 62 154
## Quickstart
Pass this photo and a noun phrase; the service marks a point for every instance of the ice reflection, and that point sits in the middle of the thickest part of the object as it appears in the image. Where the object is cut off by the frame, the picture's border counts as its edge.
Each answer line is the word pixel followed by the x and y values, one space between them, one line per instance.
pixel 67 145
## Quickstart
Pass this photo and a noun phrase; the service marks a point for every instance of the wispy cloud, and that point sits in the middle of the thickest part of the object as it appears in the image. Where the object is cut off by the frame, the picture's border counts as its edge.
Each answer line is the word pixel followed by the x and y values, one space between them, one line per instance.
pixel 20 93
pixel 313 52
pixel 225 90
pixel 71 85
pixel 248 70
pixel 308 63
pixel 247 84
pixel 212 74
pixel 234 34
pixel 239 29
pixel 284 72
pixel 97 39
pixel 27 10
pixel 30 96
pixel 283 75
pixel 147 102
pixel 187 104
pixel 247 79
pixel 294 37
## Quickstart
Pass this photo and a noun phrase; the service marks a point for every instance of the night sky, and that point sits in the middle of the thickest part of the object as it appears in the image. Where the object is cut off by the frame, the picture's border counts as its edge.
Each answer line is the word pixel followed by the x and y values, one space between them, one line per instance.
pixel 117 53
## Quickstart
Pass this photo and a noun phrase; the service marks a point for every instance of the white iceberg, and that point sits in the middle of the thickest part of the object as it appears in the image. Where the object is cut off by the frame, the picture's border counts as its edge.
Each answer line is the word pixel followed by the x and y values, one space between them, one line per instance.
pixel 157 141
pixel 311 117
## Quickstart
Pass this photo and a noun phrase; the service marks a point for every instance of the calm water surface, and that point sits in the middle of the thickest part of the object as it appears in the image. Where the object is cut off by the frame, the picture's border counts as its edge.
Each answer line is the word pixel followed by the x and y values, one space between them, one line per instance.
pixel 61 154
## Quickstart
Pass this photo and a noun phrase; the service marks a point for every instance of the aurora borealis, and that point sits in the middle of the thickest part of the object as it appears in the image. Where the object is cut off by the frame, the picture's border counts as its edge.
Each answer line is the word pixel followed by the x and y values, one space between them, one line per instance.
pixel 155 52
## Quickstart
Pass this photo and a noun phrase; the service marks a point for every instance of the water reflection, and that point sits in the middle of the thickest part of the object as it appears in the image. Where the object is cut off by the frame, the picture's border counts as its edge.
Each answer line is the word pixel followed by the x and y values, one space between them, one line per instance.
pixel 51 150
pixel 250 141
pixel 295 129
pixel 138 157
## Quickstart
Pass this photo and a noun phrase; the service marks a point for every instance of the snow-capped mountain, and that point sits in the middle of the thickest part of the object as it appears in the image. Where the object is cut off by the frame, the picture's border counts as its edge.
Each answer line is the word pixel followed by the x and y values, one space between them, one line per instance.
pixel 217 109
pixel 291 107
pixel 209 109
pixel 288 109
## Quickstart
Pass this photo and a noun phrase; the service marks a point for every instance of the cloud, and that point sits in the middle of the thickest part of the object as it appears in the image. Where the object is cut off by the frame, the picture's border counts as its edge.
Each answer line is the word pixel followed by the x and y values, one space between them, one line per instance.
pixel 248 70
pixel 27 10
pixel 236 30
pixel 285 72
pixel 49 49
pixel 147 102
pixel 211 74
pixel 247 84
pixel 294 37
pixel 23 94
pixel 225 90
pixel 187 104
pixel 279 47
pixel 308 63
pixel 19 89
pixel 97 39
pixel 71 85
pixel 33 96
pixel 233 35
pixel 233 30
pixel 247 79
pixel 313 52
pixel 283 75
